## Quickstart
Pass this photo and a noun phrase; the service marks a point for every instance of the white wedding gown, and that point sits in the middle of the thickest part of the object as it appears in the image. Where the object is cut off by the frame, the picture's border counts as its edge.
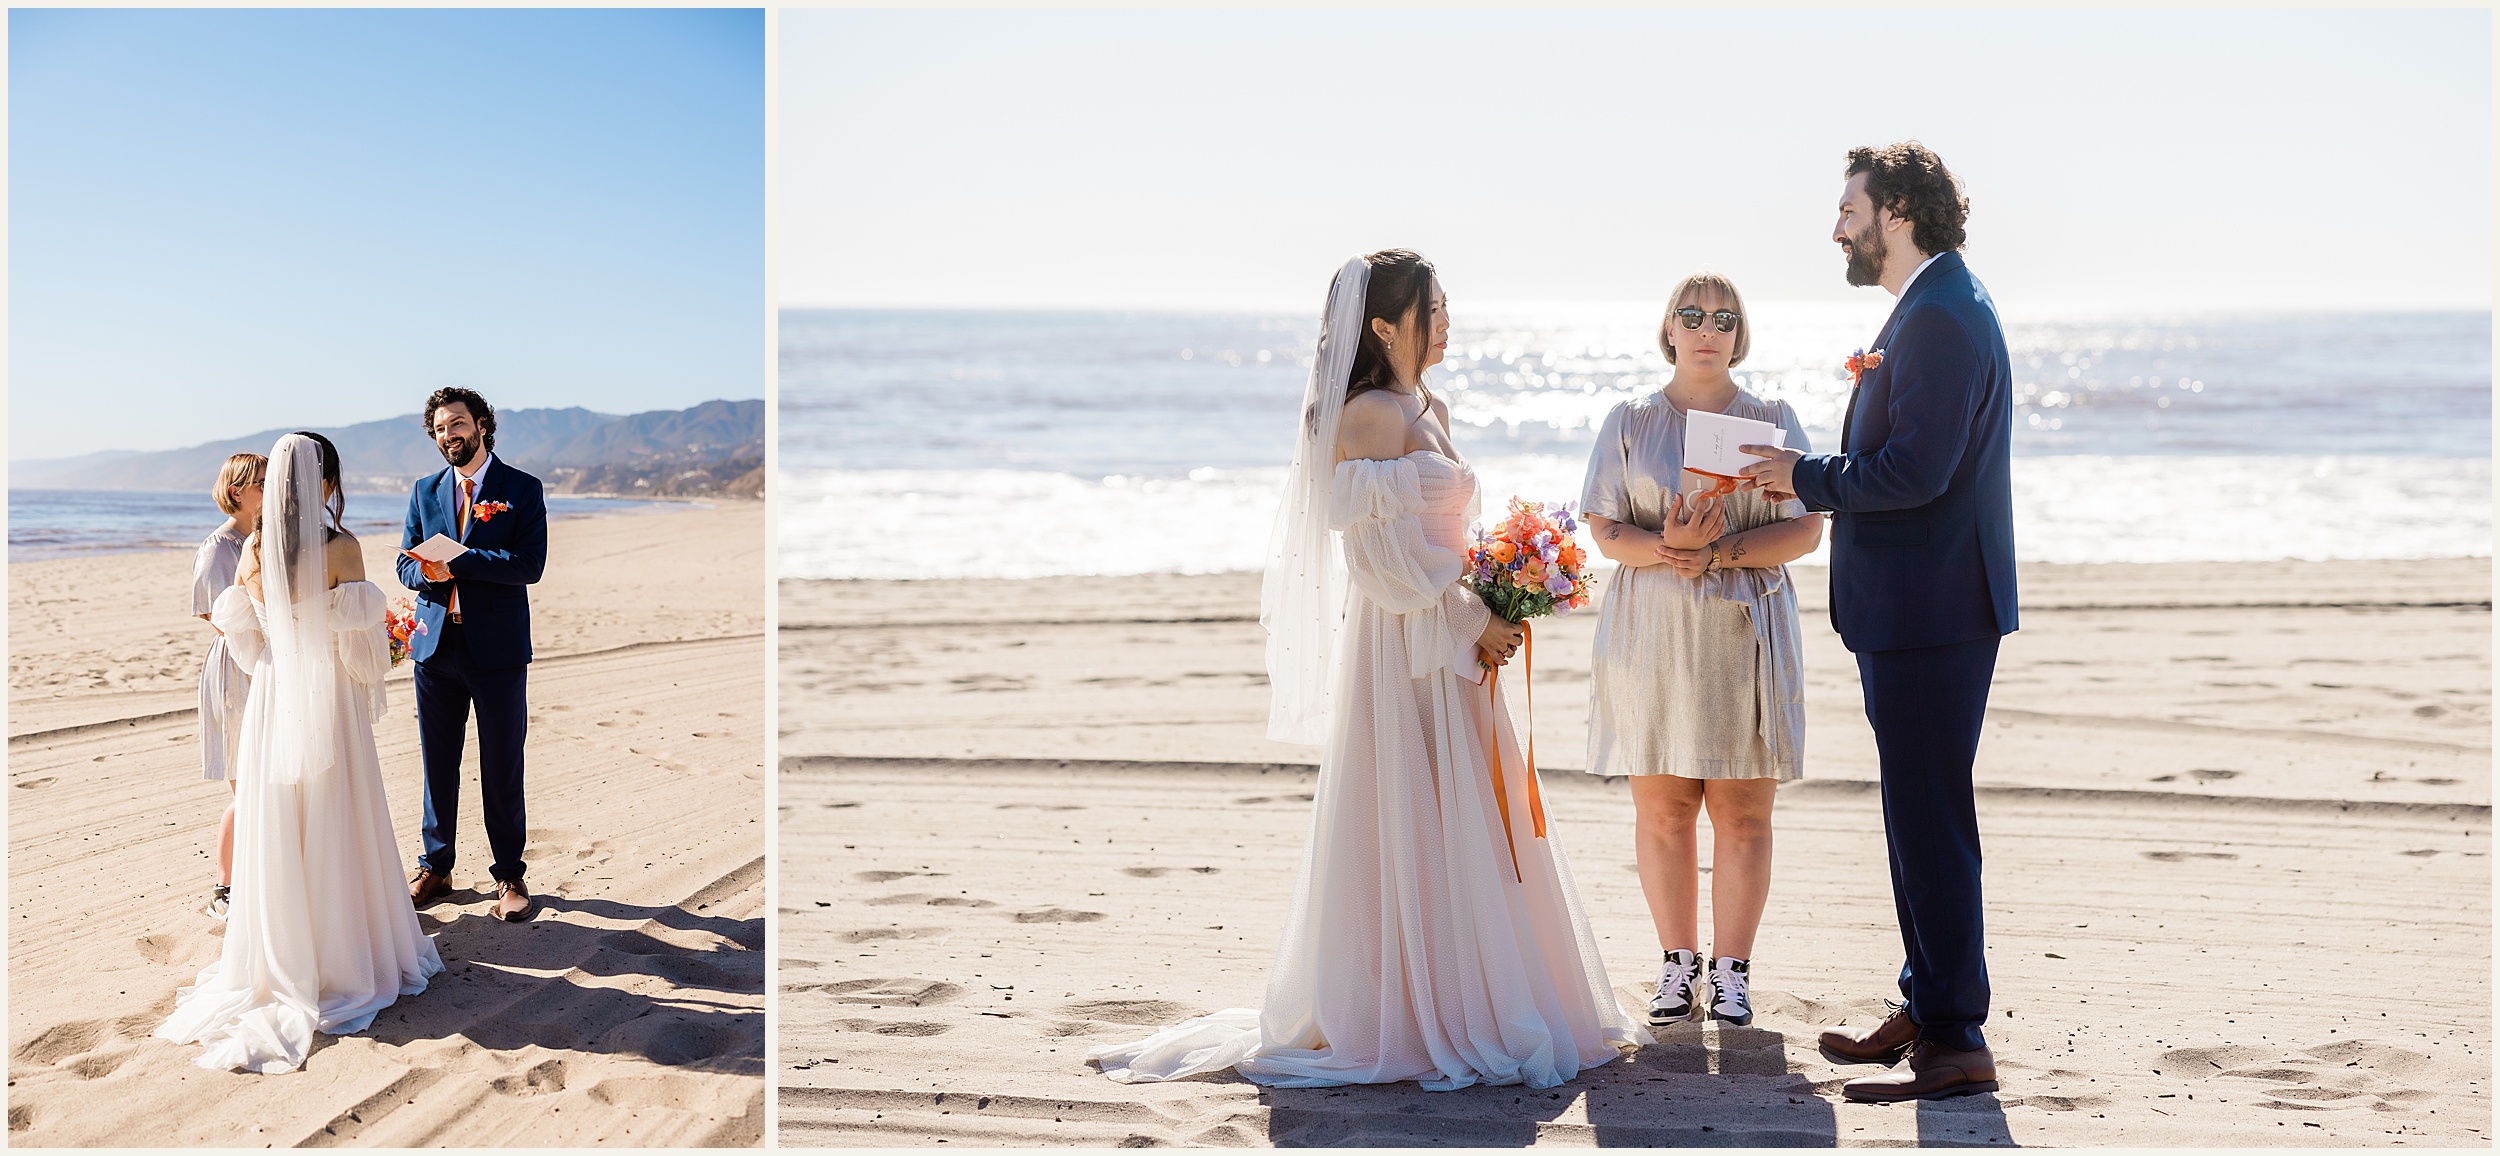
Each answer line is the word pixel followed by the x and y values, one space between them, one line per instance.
pixel 320 934
pixel 1417 948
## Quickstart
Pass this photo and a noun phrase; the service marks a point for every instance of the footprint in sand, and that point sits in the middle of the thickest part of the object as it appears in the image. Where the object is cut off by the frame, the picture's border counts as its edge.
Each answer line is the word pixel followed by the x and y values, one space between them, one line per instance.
pixel 1159 872
pixel 161 948
pixel 61 1041
pixel 675 1040
pixel 2184 856
pixel 891 876
pixel 923 898
pixel 31 784
pixel 2316 1079
pixel 542 1078
pixel 97 1065
pixel 1058 915
pixel 1146 1012
pixel 1040 807
pixel 664 1091
pixel 882 934
pixel 1257 799
pixel 901 1028
pixel 902 991
pixel 2211 774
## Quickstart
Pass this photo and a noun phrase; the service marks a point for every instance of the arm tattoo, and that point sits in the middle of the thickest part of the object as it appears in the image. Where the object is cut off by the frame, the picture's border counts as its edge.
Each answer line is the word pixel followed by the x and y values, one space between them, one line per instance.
pixel 1614 530
pixel 1735 550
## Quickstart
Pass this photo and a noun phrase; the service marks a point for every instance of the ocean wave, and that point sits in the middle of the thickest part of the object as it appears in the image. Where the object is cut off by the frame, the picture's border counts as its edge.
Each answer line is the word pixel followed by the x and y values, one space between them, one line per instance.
pixel 2068 508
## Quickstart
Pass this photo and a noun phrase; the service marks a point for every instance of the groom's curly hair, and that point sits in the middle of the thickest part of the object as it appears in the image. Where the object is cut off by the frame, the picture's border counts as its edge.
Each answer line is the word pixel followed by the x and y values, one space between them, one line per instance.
pixel 1911 182
pixel 479 412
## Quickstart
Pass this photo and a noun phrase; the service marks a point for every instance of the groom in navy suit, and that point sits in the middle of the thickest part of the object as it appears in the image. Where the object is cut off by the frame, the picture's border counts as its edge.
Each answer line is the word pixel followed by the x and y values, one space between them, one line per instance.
pixel 472 646
pixel 1922 588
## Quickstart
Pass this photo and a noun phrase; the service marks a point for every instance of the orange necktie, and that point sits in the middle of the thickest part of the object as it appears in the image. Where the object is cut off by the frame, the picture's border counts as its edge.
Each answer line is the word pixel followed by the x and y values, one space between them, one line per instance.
pixel 465 483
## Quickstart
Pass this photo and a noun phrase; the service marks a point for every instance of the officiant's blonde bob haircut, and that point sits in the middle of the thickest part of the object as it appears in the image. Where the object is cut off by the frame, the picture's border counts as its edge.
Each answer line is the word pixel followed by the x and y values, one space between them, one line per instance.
pixel 1726 289
pixel 239 471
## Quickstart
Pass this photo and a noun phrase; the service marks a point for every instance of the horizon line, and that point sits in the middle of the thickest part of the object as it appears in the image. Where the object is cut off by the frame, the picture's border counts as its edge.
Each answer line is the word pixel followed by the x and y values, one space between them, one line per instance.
pixel 1551 304
pixel 370 421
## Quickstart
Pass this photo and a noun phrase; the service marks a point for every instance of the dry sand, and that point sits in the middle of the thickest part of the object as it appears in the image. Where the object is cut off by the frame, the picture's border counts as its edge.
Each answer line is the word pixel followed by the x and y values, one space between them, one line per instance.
pixel 2238 824
pixel 630 1011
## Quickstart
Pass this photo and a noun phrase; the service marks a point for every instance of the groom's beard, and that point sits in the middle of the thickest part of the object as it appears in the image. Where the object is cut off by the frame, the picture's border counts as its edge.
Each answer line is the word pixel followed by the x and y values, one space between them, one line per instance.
pixel 1866 257
pixel 458 451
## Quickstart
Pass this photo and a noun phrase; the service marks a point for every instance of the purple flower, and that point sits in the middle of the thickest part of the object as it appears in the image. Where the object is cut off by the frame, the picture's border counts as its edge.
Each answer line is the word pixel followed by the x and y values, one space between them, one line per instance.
pixel 1558 584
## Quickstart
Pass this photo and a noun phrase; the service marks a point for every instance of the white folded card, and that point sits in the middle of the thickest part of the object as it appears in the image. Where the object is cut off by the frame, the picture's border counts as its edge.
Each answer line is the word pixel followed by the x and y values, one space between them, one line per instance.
pixel 1710 441
pixel 438 549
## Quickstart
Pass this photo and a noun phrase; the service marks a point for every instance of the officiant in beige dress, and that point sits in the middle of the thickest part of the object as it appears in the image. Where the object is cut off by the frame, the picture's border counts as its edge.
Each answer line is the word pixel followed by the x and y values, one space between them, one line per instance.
pixel 1698 688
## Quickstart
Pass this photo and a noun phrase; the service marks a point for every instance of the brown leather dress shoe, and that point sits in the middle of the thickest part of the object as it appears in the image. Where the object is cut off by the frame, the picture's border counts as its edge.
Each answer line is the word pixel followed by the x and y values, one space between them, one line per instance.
pixel 513 904
pixel 1932 1071
pixel 1885 1045
pixel 427 887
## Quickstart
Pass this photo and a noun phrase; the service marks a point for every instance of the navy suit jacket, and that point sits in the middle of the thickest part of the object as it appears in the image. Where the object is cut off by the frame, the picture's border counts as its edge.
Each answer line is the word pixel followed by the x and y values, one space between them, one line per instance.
pixel 1921 493
pixel 507 552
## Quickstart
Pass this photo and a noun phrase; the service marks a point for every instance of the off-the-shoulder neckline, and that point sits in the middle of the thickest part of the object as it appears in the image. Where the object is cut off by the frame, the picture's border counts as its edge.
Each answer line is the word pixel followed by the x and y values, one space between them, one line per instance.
pixel 1406 455
pixel 247 594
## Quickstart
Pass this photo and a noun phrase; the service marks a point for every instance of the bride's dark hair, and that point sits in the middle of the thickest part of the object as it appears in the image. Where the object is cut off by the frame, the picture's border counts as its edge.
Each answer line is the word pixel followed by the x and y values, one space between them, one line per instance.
pixel 1400 287
pixel 336 504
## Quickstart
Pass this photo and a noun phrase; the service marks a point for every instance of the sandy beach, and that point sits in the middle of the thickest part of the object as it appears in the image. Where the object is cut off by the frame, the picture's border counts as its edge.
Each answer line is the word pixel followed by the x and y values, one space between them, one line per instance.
pixel 2237 819
pixel 629 1011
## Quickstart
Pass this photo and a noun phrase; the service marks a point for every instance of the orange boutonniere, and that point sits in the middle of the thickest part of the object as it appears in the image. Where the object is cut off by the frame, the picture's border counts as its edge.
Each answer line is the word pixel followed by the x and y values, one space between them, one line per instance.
pixel 486 511
pixel 1859 362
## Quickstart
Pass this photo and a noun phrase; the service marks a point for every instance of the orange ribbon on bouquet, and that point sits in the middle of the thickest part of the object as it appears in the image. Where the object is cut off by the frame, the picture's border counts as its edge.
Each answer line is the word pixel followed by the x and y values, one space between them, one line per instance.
pixel 1493 748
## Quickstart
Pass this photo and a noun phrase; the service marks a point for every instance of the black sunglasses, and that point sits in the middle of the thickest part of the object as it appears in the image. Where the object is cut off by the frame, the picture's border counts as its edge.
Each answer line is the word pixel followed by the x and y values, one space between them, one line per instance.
pixel 1692 319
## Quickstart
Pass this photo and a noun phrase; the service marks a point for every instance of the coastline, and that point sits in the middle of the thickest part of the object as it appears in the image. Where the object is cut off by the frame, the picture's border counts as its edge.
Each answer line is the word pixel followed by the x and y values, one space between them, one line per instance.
pixel 1023 818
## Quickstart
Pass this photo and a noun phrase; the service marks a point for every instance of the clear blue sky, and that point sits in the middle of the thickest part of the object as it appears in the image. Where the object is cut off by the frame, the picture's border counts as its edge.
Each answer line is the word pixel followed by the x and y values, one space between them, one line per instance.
pixel 226 221
pixel 2130 158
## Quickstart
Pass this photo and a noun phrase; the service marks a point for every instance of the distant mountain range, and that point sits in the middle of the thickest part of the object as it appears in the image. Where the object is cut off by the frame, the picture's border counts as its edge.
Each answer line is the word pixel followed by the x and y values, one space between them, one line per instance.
pixel 714 449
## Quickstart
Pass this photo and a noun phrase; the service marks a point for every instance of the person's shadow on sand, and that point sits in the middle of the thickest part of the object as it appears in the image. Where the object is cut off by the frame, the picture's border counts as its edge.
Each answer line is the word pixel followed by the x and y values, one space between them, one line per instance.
pixel 1964 1122
pixel 1709 1086
pixel 1695 1087
pixel 619 991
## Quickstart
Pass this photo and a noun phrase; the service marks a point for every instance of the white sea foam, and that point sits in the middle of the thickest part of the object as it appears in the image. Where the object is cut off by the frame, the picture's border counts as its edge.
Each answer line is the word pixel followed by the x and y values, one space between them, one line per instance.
pixel 2067 508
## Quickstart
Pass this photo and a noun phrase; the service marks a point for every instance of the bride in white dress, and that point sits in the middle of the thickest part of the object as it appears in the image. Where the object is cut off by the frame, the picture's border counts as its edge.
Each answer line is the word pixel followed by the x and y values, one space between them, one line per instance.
pixel 320 934
pixel 1429 939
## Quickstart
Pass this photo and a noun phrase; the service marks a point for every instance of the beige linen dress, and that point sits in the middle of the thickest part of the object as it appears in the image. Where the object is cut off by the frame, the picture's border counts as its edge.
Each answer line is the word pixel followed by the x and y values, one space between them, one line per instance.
pixel 1699 678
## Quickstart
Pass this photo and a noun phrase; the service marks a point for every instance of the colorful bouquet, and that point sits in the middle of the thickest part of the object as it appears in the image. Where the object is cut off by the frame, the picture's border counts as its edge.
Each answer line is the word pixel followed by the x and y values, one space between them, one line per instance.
pixel 401 621
pixel 1530 565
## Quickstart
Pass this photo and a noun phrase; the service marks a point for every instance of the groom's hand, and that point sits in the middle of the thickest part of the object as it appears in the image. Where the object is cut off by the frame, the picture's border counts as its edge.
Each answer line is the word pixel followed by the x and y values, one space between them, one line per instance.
pixel 1776 473
pixel 433 571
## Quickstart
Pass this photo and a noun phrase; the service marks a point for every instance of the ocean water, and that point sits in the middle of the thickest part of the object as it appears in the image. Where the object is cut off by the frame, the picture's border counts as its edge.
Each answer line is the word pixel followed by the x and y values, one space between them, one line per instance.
pixel 1008 444
pixel 70 523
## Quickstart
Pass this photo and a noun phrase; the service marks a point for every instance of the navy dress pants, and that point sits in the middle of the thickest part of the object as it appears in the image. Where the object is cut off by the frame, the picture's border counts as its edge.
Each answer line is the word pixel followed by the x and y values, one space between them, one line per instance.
pixel 1927 707
pixel 448 684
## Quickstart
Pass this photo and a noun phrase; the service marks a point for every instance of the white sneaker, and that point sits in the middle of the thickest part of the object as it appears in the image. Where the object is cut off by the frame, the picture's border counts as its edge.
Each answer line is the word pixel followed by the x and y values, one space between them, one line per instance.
pixel 1729 1001
pixel 1676 977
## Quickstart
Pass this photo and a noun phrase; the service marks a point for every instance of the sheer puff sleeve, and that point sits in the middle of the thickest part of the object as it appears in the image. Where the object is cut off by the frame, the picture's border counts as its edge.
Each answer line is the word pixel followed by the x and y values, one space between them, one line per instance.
pixel 1375 505
pixel 356 610
pixel 232 615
